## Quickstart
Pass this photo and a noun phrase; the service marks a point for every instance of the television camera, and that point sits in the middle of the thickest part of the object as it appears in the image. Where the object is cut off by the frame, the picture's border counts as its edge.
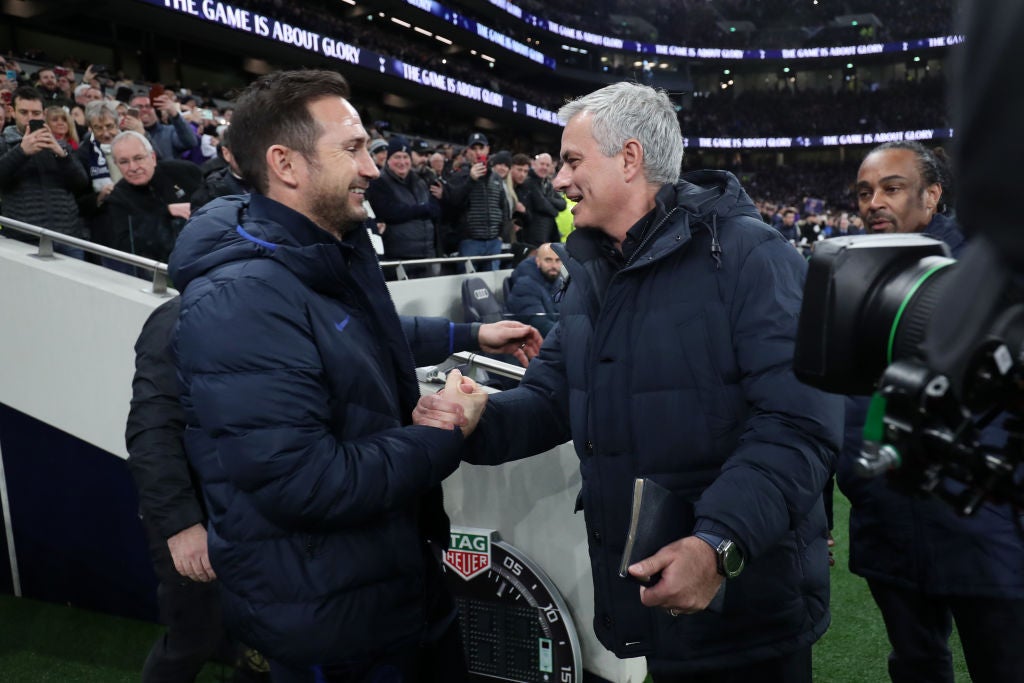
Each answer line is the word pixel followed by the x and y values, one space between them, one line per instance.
pixel 938 344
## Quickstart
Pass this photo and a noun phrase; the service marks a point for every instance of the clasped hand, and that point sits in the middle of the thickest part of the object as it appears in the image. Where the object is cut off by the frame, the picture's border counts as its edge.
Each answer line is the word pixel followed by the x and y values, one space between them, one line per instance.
pixel 459 404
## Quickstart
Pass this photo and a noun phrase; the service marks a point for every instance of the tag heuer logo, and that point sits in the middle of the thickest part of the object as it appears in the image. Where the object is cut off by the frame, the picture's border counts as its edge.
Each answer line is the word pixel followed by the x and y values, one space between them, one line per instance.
pixel 469 554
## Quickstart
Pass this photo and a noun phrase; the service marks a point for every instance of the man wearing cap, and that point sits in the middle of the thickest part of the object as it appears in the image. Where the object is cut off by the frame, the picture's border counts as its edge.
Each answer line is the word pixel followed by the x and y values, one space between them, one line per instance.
pixel 408 207
pixel 420 151
pixel 379 151
pixel 478 200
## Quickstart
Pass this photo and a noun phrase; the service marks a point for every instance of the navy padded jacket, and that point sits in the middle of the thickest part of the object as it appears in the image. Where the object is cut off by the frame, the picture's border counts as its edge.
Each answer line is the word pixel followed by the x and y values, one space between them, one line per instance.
pixel 298 387
pixel 678 367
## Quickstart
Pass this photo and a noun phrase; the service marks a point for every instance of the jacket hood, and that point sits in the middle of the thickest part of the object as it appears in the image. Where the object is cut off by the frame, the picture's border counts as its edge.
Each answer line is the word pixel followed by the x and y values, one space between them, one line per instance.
pixel 246 227
pixel 211 239
pixel 700 198
pixel 945 228
pixel 702 193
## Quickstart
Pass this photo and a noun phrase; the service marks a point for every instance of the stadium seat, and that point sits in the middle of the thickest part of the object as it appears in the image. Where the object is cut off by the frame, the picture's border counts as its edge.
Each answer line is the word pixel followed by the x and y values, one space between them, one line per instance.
pixel 479 304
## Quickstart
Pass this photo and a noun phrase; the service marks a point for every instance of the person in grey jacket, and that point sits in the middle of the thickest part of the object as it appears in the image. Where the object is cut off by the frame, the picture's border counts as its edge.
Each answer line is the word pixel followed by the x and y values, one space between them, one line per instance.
pixel 168 139
pixel 39 176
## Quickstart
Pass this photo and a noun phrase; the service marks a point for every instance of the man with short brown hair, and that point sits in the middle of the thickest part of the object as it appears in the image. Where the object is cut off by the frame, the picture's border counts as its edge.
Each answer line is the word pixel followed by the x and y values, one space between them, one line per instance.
pixel 169 139
pixel 39 176
pixel 323 485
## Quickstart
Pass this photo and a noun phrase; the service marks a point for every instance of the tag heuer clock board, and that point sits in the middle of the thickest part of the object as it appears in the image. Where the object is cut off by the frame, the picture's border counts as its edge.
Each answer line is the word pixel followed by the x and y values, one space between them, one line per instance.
pixel 515 625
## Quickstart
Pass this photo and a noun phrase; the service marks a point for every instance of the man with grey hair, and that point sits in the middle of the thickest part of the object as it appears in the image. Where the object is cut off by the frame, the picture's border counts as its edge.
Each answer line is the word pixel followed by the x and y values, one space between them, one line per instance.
pixel 96 155
pixel 671 362
pixel 150 204
pixel 85 93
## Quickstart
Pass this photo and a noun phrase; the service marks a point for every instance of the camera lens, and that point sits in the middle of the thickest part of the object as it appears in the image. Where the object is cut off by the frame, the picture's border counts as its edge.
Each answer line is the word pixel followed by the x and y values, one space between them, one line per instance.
pixel 867 302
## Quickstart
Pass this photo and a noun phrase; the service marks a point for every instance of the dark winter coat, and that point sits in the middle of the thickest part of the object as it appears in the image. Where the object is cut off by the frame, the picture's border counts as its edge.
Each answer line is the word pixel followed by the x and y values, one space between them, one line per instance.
pixel 40 189
pixel 298 388
pixel 168 488
pixel 138 217
pixel 542 204
pixel 219 183
pixel 409 210
pixel 531 297
pixel 919 543
pixel 677 365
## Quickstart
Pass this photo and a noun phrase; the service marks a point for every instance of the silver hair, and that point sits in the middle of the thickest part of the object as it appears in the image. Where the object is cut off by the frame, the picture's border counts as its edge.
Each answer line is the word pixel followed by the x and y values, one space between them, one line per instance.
pixel 622 111
pixel 100 108
pixel 125 134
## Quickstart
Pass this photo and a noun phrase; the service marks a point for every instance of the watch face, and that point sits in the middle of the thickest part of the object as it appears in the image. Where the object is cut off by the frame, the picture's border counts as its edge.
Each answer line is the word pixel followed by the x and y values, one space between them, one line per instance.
pixel 732 559
pixel 515 626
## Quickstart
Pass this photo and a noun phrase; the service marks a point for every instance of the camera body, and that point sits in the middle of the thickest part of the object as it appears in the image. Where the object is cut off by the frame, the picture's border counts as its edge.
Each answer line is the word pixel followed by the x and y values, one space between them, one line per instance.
pixel 868 327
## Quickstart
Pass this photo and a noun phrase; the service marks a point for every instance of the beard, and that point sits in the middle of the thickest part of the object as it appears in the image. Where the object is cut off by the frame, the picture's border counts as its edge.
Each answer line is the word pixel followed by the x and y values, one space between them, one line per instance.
pixel 332 209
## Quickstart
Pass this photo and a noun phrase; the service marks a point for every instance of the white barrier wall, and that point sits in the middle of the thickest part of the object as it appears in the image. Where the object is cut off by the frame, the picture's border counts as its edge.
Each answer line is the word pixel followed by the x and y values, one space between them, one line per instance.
pixel 68 329
pixel 66 342
pixel 66 359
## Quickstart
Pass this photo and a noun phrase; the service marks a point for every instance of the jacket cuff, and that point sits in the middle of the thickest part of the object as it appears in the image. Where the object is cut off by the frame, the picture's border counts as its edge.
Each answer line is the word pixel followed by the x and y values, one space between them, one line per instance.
pixel 709 526
pixel 464 337
pixel 185 517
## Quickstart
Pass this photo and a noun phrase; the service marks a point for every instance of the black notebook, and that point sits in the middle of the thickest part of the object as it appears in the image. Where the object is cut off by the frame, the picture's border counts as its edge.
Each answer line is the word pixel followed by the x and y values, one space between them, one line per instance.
pixel 658 517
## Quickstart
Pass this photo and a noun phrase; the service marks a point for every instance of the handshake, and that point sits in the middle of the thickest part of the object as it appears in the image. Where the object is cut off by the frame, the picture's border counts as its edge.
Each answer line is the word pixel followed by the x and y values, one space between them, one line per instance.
pixel 459 404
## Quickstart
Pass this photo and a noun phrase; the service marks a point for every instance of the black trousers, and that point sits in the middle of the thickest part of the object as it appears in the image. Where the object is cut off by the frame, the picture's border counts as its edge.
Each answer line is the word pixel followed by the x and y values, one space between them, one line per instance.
pixel 442 661
pixel 792 668
pixel 991 631
pixel 195 631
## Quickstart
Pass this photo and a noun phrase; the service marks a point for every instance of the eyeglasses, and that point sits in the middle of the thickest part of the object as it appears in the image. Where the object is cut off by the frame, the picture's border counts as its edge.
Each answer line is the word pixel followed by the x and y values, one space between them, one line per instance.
pixel 102 127
pixel 137 159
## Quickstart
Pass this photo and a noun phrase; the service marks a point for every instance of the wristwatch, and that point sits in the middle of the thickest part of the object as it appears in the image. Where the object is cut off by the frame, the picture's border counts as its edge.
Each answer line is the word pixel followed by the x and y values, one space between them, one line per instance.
pixel 730 557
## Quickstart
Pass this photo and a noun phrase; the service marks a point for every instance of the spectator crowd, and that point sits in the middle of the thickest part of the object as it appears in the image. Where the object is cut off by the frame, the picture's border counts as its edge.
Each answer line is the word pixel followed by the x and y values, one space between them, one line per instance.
pixel 125 164
pixel 127 170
